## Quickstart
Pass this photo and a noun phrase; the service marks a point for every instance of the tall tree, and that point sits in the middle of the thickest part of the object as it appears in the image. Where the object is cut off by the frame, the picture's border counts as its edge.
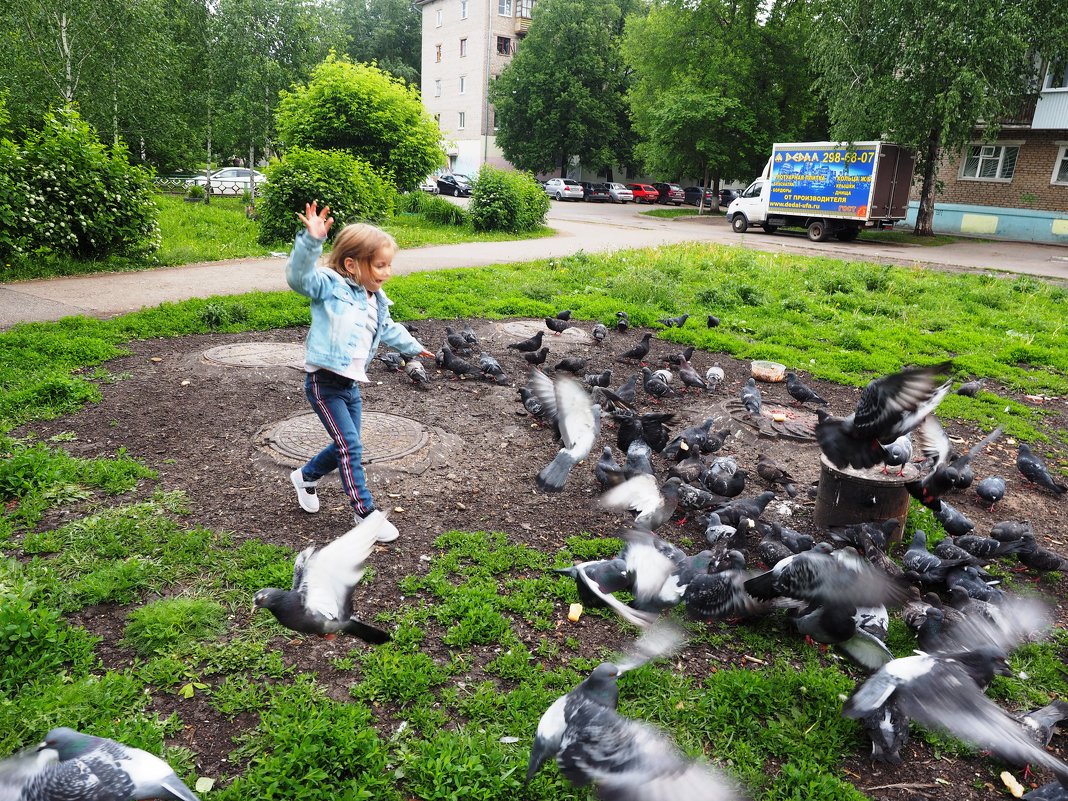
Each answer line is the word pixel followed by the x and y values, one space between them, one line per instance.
pixel 927 73
pixel 386 32
pixel 562 95
pixel 716 83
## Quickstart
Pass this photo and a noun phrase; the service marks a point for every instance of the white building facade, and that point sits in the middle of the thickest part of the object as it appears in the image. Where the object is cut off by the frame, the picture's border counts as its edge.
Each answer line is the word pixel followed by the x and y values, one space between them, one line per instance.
pixel 466 44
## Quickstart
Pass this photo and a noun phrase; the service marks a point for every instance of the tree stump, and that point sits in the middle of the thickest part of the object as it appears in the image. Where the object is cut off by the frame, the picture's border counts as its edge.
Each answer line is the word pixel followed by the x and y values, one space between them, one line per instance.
pixel 862 496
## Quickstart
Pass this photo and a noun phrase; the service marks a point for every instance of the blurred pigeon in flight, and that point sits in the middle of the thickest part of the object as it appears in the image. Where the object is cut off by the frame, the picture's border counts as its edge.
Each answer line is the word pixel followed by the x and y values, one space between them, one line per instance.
pixel 577 421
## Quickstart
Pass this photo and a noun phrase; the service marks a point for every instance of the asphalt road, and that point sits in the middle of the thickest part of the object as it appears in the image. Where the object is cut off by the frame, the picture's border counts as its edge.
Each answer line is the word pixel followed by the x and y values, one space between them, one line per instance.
pixel 590 227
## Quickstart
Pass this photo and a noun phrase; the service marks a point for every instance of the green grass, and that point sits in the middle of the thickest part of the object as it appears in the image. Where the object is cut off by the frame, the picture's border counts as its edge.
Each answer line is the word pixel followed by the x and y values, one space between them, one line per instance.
pixel 670 213
pixel 413 231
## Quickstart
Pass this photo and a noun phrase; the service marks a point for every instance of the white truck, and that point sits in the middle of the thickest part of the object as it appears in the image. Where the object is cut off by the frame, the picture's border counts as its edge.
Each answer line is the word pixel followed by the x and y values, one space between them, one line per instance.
pixel 829 188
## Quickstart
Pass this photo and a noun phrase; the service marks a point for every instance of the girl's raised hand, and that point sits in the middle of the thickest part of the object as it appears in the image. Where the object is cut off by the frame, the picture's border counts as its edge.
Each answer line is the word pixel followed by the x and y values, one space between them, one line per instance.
pixel 317 222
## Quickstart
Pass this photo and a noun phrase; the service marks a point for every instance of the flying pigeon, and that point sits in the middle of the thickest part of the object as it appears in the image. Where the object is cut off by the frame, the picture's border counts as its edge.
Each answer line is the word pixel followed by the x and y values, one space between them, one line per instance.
pixel 599 333
pixel 622 321
pixel 721 595
pixel 73 766
pixel 537 357
pixel 800 391
pixel 888 407
pixel 576 418
pixel 557 326
pixel 640 493
pixel 1034 470
pixel 596 581
pixel 323 582
pixel 528 345
pixel 674 322
pixel 834 623
pixel 639 351
pixel 751 399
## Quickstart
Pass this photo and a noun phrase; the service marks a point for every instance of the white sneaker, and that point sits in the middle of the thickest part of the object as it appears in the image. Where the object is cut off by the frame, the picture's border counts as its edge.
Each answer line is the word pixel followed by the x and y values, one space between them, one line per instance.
pixel 387 533
pixel 306 496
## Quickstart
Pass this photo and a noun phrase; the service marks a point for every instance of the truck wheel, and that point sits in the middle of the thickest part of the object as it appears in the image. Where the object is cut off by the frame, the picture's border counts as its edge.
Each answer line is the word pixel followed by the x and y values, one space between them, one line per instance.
pixel 769 229
pixel 848 234
pixel 739 224
pixel 817 231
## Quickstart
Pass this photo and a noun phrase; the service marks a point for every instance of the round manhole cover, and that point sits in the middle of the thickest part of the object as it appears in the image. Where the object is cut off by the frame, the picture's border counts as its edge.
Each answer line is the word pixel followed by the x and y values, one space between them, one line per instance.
pixel 385 437
pixel 256 354
pixel 775 421
pixel 524 329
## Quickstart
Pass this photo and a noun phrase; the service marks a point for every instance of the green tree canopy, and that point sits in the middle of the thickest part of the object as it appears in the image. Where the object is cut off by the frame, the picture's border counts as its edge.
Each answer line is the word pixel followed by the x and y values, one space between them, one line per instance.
pixel 562 95
pixel 362 110
pixel 927 73
pixel 387 32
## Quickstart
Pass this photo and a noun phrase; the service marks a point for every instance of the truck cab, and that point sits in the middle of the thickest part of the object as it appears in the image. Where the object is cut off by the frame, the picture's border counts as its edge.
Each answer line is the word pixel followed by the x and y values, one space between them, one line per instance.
pixel 749 208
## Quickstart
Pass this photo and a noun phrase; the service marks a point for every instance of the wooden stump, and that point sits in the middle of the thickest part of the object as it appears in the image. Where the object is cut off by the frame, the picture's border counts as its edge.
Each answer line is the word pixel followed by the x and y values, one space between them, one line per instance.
pixel 862 496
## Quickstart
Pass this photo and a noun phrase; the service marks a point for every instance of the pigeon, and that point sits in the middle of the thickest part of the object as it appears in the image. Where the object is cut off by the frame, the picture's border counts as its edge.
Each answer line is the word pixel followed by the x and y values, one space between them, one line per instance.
pixel 689 470
pixel 639 351
pixel 576 365
pixel 72 766
pixel 596 581
pixel 599 333
pixel 683 356
pixel 491 368
pixel 888 407
pixel 688 442
pixel 740 509
pixel 969 389
pixel 622 321
pixel 628 389
pixel 607 470
pixel 417 373
pixel 564 315
pixel 602 380
pixel 651 426
pixel 794 540
pixel 690 377
pixel 952 520
pixel 458 342
pixel 1053 791
pixel 576 418
pixel 712 321
pixel 1038 558
pixel 469 335
pixel 751 399
pixel 773 472
pixel 837 624
pixel 323 583
pixel 638 461
pixel 961 466
pixel 801 392
pixel 717 532
pixel 532 404
pixel 948 549
pixel 988 548
pixel 971 580
pixel 1034 470
pixel 888 729
pixel 674 322
pixel 771 550
pixel 664 375
pixel 557 326
pixel 713 375
pixel 729 485
pixel 929 568
pixel 393 361
pixel 858 534
pixel 990 490
pixel 655 386
pixel 456 365
pixel 721 595
pixel 1011 530
pixel 528 345
pixel 654 504
pixel 696 499
pixel 536 358
pixel 1040 723
pixel 715 441
pixel 898 454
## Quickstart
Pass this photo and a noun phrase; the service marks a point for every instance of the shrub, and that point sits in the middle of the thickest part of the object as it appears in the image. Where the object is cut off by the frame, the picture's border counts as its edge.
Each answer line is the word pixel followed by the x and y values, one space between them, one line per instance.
pixel 195 191
pixel 81 198
pixel 349 186
pixel 507 201
pixel 441 211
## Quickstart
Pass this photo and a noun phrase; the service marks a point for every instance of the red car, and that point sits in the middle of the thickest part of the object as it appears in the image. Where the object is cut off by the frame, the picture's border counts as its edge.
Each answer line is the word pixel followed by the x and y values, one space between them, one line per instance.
pixel 643 193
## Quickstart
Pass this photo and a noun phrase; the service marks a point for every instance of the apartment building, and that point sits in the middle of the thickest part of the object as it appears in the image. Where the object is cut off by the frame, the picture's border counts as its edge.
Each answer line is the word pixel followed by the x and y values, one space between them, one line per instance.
pixel 466 44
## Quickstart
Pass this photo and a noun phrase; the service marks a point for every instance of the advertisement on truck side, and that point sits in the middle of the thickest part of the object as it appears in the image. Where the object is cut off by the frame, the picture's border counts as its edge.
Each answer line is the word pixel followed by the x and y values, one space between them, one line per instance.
pixel 822 179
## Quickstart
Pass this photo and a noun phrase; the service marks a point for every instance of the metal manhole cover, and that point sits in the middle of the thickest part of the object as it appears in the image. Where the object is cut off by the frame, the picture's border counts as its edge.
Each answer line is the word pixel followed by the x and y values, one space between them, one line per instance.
pixel 386 437
pixel 524 329
pixel 256 354
pixel 796 424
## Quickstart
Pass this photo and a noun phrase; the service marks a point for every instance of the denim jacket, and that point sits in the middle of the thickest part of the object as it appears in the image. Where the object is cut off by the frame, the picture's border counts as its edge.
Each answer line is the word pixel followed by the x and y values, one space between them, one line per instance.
pixel 338 309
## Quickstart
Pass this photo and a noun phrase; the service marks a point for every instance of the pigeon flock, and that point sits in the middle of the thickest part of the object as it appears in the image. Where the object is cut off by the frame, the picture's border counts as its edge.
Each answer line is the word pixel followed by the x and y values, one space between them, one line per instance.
pixel 619 415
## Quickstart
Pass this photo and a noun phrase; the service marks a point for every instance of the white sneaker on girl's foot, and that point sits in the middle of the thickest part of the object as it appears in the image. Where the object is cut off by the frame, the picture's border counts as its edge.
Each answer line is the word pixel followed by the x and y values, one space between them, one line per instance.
pixel 387 532
pixel 306 496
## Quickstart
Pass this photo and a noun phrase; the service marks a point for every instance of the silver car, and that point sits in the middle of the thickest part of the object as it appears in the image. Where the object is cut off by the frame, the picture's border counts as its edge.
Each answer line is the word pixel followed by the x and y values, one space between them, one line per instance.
pixel 620 193
pixel 564 189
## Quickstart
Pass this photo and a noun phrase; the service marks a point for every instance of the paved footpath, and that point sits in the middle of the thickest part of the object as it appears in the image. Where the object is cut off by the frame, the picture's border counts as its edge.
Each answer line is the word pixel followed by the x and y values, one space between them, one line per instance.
pixel 106 295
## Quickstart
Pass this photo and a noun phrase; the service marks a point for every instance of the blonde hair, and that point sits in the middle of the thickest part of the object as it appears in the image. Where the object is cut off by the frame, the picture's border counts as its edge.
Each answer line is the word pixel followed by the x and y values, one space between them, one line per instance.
pixel 359 242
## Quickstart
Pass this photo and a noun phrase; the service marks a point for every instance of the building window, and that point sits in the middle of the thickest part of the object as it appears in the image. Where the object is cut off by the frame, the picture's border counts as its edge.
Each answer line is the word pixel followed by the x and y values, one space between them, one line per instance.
pixel 463 9
pixel 1057 74
pixel 990 162
pixel 493 117
pixel 504 45
pixel 463 84
pixel 524 9
pixel 439 17
pixel 462 121
pixel 437 87
pixel 463 47
pixel 504 8
pixel 437 52
pixel 1060 167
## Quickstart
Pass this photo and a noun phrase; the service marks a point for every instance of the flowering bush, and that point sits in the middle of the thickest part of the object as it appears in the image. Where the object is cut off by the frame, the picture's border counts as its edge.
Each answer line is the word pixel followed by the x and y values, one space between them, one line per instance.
pixel 502 200
pixel 348 185
pixel 77 196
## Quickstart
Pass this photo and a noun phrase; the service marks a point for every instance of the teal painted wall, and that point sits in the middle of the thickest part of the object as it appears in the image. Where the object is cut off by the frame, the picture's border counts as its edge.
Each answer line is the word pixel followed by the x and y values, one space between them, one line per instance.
pixel 993 222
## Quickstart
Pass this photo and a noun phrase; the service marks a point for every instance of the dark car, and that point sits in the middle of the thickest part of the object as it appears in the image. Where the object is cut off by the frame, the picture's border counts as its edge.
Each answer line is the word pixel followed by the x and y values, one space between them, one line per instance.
pixel 669 193
pixel 643 193
pixel 727 195
pixel 693 195
pixel 454 184
pixel 596 191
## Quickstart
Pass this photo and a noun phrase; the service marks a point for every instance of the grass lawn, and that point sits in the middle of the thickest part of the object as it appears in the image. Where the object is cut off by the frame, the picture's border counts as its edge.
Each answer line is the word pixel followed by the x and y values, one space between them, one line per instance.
pixel 413 231
pixel 177 585
pixel 669 213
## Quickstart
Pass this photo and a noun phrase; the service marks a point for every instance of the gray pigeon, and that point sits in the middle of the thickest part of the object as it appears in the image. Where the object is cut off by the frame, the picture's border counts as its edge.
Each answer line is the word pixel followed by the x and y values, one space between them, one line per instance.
pixel 417 373
pixel 721 595
pixel 674 322
pixel 71 766
pixel 690 377
pixel 599 332
pixel 751 398
pixel 713 375
pixel 622 321
pixel 971 388
pixel 1034 470
pixel 528 345
pixel 576 418
pixel 639 351
pixel 323 582
pixel 655 386
pixel 801 392
pixel 654 504
pixel 607 470
pixel 990 490
pixel 392 360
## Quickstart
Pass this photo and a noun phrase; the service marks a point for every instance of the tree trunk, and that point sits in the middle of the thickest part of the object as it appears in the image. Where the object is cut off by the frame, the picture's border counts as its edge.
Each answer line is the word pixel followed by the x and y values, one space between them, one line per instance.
pixel 704 187
pixel 68 59
pixel 925 212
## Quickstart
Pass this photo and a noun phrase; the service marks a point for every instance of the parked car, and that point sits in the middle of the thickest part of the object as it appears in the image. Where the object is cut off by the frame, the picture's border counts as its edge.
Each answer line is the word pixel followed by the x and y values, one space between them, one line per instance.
pixel 669 193
pixel 455 184
pixel 643 193
pixel 231 180
pixel 693 195
pixel 429 185
pixel 594 191
pixel 620 193
pixel 563 189
pixel 727 195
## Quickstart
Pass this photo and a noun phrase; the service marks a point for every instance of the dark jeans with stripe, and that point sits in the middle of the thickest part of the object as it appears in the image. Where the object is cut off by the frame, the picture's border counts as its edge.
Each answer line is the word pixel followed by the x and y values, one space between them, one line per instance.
pixel 336 400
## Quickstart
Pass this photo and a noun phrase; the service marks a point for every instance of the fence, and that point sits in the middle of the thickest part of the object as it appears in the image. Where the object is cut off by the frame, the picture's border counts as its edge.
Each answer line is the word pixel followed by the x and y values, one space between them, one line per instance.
pixel 178 184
